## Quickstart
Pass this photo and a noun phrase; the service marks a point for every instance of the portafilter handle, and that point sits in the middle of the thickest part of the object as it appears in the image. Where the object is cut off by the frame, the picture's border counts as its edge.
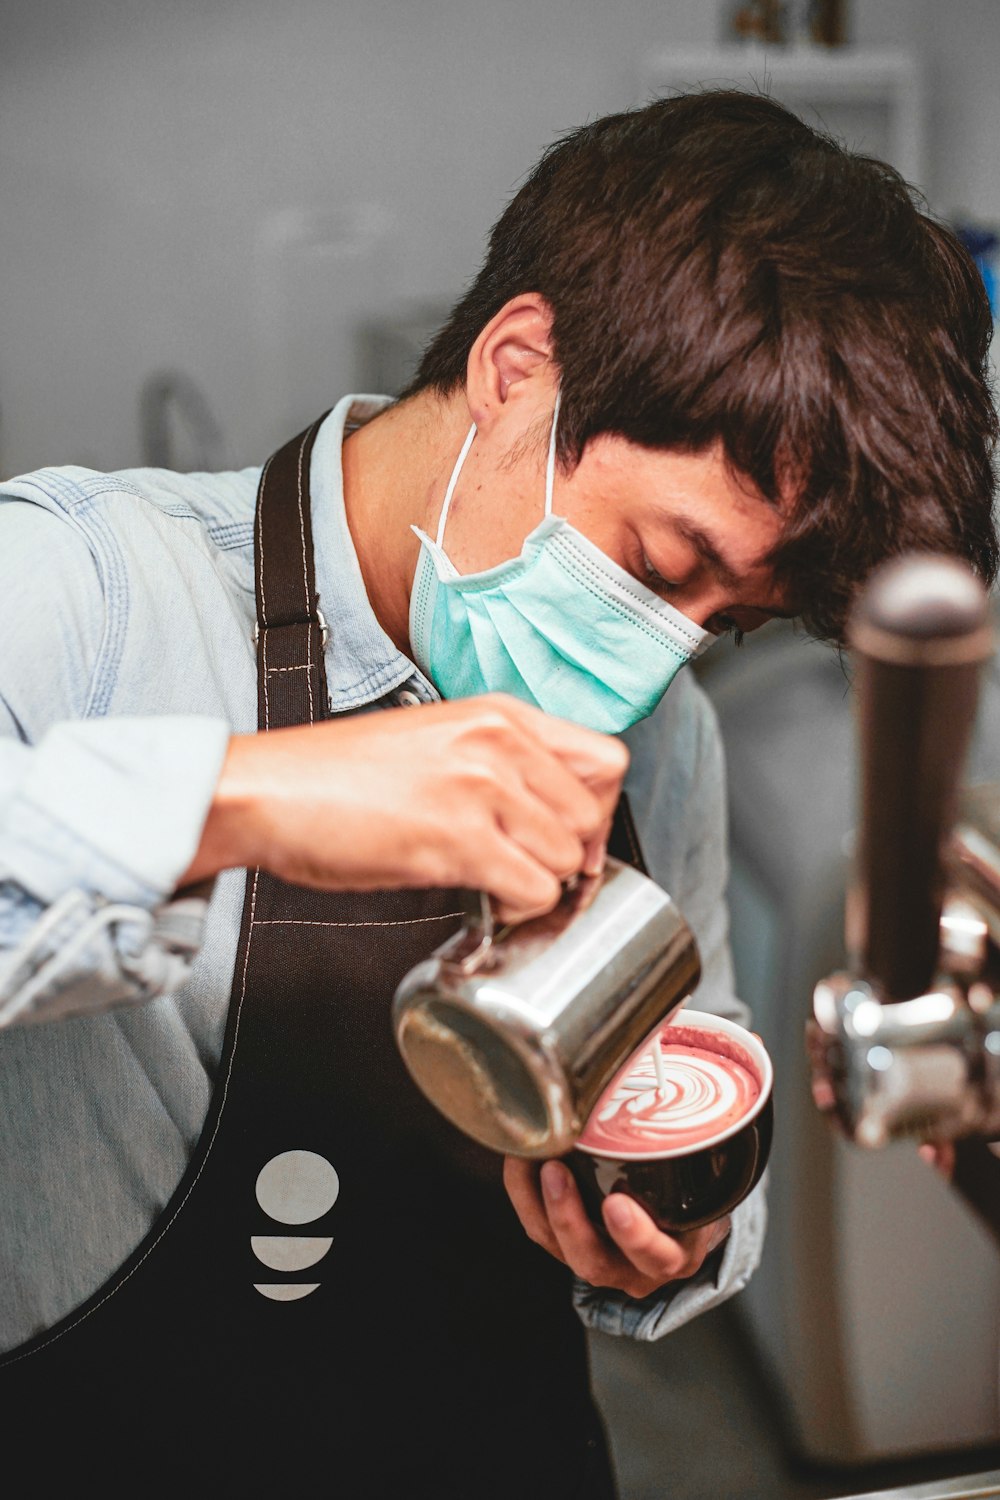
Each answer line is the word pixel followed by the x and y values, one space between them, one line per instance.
pixel 919 635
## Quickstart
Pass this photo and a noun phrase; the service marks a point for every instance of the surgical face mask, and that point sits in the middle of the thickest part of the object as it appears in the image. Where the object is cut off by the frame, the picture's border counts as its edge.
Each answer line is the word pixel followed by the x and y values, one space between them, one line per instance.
pixel 561 626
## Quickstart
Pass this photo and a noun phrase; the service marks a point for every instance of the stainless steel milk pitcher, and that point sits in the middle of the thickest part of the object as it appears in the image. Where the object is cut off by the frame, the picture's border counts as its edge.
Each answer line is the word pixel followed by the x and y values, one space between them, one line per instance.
pixel 513 1032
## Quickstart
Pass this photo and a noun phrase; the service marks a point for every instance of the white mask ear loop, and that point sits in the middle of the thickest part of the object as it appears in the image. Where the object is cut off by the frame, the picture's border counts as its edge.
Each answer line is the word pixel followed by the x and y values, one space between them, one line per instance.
pixel 550 467
pixel 445 504
pixel 550 470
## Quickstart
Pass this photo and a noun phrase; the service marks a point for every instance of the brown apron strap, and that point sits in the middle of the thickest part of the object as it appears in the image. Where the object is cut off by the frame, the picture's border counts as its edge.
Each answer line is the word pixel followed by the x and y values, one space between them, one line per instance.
pixel 291 631
pixel 623 842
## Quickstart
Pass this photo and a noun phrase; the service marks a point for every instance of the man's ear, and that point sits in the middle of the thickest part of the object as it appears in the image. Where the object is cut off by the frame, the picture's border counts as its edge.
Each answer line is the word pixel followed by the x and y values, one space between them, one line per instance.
pixel 510 365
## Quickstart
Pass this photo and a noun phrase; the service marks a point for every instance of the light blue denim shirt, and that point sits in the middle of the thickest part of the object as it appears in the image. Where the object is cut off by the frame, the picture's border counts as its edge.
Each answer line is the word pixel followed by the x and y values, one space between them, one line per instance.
pixel 128 617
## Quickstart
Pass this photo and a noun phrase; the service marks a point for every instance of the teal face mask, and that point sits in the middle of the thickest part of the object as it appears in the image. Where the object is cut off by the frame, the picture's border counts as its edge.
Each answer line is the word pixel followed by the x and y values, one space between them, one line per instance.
pixel 561 626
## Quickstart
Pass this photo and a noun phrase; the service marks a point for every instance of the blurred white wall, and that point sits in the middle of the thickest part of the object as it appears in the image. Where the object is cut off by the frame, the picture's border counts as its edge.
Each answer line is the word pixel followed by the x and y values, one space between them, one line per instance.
pixel 205 185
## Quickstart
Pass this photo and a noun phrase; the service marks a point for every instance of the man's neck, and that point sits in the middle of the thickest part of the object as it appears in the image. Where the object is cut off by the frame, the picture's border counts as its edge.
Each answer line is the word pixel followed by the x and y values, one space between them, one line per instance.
pixel 396 468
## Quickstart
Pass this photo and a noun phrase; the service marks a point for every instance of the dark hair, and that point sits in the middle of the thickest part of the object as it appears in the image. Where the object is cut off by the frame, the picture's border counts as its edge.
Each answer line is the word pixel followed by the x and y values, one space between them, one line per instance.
pixel 719 271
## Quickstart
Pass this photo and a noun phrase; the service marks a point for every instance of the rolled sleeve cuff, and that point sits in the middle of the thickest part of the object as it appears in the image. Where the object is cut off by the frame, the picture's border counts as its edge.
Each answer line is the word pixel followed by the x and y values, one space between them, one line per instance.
pixel 113 805
pixel 82 957
pixel 723 1274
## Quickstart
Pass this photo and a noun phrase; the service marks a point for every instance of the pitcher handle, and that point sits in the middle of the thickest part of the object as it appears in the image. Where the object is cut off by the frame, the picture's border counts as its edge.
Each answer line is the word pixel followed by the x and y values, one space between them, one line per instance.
pixel 479 921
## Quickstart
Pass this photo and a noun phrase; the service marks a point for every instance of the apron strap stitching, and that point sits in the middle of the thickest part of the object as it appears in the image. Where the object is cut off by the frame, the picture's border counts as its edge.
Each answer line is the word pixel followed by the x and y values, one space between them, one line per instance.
pixel 306 437
pixel 260 541
pixel 305 579
pixel 302 526
pixel 280 571
pixel 264 677
pixel 403 922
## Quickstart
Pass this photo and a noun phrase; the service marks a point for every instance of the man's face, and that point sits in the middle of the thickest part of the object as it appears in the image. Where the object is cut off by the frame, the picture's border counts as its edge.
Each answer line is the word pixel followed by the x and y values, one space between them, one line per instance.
pixel 681 523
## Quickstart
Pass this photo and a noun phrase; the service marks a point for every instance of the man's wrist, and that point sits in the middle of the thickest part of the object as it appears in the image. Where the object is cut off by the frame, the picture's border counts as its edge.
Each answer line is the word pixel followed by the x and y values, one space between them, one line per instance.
pixel 228 837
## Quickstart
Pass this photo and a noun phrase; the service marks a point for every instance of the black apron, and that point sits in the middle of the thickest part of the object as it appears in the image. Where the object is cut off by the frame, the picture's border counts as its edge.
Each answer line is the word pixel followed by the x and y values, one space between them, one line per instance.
pixel 431 1349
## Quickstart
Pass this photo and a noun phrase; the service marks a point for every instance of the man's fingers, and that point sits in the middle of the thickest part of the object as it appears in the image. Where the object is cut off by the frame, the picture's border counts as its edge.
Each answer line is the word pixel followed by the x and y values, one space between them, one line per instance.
pixel 542 802
pixel 570 799
pixel 536 829
pixel 630 1254
pixel 520 886
pixel 940 1156
pixel 635 1256
pixel 600 760
pixel 658 1256
pixel 559 784
pixel 581 1244
pixel 595 850
pixel 521 1181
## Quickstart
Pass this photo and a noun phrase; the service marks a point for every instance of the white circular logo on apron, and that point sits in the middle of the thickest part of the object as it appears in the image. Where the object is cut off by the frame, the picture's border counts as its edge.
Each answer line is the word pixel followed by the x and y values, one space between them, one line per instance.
pixel 295 1187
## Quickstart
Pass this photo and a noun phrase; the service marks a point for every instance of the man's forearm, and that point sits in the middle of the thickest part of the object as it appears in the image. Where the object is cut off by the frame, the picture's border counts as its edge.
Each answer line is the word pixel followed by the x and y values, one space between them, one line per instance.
pixel 97 823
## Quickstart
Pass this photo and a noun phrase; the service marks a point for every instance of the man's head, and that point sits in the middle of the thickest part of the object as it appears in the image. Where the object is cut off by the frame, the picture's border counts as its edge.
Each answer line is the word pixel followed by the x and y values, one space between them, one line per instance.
pixel 722 278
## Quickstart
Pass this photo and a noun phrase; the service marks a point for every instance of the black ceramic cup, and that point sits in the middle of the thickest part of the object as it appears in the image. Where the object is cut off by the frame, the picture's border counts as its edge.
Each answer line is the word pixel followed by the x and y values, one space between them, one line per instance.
pixel 683 1183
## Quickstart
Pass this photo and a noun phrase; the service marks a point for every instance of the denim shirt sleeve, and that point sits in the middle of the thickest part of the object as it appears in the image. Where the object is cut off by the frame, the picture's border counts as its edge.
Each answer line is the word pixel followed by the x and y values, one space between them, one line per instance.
pixel 99 816
pixel 676 788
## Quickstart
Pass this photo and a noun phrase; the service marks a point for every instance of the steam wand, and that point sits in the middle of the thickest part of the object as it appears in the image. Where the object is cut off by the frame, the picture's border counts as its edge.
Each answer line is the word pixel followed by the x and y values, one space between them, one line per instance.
pixel 907 1041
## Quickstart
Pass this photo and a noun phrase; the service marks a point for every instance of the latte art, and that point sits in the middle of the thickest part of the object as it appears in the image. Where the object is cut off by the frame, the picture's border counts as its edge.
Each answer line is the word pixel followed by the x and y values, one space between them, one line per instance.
pixel 707 1084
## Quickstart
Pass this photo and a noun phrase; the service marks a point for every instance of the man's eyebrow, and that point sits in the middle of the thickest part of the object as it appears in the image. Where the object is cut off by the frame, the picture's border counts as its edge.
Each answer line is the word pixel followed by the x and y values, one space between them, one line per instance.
pixel 710 554
pixel 707 551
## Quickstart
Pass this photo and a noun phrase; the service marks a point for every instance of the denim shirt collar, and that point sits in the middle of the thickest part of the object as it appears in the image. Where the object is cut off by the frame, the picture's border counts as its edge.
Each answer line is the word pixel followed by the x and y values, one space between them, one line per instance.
pixel 362 663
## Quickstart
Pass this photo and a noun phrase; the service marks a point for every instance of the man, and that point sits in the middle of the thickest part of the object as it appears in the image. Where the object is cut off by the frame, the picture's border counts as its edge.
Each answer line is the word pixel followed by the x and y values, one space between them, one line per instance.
pixel 713 369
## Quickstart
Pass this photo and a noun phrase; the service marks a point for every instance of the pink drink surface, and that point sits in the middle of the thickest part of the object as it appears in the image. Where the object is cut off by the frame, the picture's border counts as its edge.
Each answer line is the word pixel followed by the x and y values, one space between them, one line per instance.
pixel 710 1084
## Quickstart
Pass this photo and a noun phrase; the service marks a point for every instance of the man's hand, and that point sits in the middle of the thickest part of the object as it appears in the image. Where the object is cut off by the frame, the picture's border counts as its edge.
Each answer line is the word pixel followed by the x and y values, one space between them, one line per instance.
pixel 940 1156
pixel 486 793
pixel 634 1257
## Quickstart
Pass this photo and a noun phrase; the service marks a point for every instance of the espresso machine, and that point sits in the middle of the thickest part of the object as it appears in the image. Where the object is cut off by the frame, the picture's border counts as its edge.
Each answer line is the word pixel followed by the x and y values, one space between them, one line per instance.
pixel 905 1041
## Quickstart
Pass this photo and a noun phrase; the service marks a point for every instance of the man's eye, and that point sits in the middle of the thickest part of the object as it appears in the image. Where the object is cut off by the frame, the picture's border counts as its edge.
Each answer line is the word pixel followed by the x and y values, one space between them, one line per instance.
pixel 655 580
